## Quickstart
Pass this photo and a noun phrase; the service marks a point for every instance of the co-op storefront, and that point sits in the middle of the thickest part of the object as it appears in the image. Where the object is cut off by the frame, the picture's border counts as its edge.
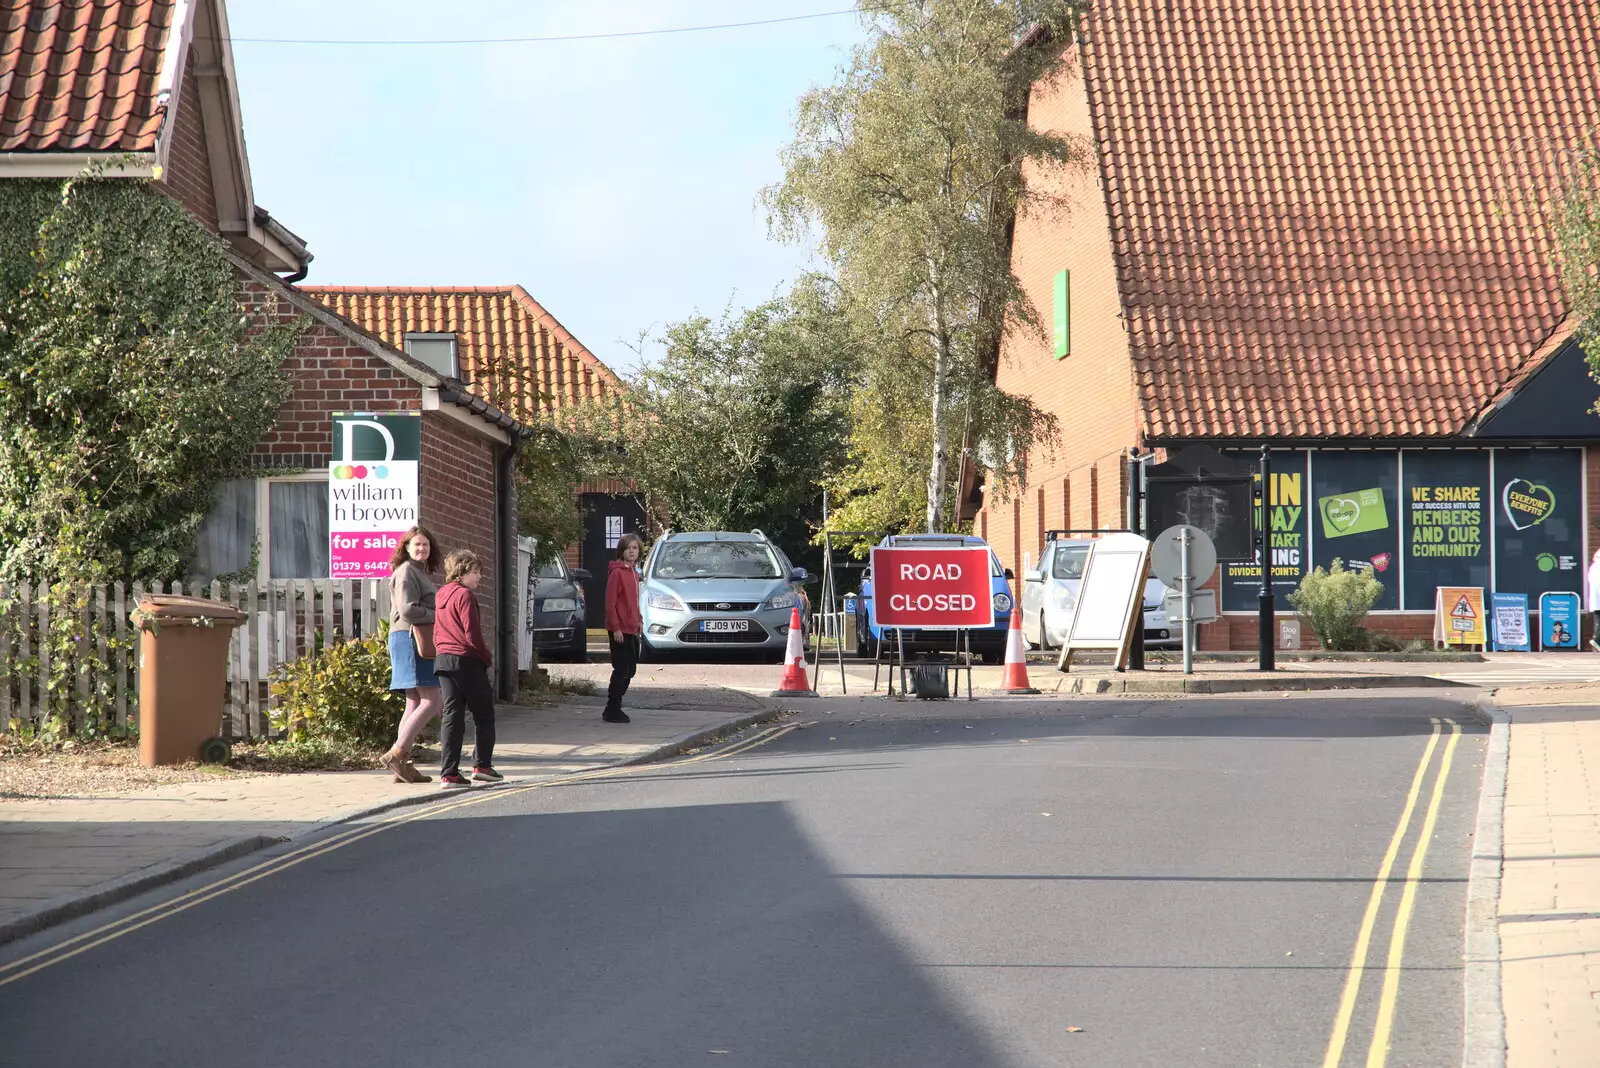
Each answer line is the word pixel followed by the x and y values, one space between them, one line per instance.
pixel 1507 519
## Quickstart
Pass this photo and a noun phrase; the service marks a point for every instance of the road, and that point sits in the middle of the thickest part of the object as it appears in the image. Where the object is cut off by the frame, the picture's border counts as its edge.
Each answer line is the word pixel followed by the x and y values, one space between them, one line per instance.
pixel 1097 883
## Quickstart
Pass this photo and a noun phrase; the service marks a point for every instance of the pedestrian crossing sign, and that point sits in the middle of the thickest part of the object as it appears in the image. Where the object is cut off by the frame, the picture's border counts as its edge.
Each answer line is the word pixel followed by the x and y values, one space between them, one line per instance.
pixel 1459 618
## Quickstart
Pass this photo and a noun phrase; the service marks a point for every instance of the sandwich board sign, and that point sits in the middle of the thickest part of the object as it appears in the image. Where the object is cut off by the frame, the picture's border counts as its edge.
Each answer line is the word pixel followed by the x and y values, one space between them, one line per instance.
pixel 1558 620
pixel 1510 622
pixel 1458 616
pixel 1110 598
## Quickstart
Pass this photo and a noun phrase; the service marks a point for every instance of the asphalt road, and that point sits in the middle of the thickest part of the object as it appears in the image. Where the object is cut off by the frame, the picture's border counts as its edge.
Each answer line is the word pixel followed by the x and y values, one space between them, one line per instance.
pixel 926 885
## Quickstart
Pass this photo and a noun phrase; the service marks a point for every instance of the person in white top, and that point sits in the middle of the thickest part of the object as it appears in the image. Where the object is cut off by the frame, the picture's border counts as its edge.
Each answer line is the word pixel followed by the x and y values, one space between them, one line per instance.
pixel 1593 599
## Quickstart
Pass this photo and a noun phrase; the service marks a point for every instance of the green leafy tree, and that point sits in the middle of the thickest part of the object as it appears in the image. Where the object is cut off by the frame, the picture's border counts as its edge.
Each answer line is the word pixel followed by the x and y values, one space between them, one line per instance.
pixel 911 166
pixel 1576 224
pixel 131 382
pixel 740 422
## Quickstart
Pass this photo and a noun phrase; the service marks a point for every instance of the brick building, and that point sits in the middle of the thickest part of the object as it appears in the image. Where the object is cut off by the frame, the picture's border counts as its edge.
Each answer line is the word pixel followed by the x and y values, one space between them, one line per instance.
pixel 1317 228
pixel 505 346
pixel 147 88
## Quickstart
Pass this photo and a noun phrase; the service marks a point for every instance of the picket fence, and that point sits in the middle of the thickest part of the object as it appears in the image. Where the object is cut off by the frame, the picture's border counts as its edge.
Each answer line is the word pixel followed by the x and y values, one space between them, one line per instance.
pixel 283 621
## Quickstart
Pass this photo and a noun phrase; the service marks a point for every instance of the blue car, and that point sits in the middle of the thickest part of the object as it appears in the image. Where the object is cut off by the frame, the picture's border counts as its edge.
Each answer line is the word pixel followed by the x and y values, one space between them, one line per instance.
pixel 987 642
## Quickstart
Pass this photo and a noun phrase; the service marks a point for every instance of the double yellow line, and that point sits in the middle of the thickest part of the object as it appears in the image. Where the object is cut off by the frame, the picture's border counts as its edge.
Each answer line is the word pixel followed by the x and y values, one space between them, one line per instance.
pixel 1383 1029
pixel 71 947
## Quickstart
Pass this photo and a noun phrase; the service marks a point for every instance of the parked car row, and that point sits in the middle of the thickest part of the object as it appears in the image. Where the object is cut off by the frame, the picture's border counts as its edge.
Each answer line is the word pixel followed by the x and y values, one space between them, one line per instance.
pixel 1050 592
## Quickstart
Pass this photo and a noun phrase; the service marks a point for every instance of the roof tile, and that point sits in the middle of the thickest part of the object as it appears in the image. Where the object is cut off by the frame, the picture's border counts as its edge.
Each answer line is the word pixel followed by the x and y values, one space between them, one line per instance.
pixel 505 341
pixel 81 75
pixel 1310 203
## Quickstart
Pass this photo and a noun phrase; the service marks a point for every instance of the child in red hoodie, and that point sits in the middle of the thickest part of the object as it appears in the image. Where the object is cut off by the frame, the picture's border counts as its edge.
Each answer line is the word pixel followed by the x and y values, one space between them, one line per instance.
pixel 624 624
pixel 461 662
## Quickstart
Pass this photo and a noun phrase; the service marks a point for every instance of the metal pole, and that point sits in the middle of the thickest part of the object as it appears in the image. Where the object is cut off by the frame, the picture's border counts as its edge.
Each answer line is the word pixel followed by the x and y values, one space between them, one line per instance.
pixel 1266 601
pixel 1136 525
pixel 900 643
pixel 1188 606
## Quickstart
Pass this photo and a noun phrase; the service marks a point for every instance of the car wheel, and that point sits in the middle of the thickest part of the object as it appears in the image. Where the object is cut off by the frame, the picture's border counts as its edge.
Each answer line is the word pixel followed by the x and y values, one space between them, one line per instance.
pixel 1043 634
pixel 648 654
pixel 579 650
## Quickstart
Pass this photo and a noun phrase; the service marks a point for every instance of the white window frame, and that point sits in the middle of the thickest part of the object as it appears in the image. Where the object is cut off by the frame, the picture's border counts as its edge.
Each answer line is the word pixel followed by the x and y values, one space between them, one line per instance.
pixel 264 520
pixel 455 349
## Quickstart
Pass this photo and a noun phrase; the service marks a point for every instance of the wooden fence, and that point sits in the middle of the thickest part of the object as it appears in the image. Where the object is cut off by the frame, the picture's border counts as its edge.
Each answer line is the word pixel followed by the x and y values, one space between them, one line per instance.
pixel 284 618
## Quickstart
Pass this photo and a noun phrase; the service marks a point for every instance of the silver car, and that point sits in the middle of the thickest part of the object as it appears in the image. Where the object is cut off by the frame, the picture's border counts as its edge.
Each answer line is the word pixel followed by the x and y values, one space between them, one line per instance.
pixel 706 591
pixel 1050 593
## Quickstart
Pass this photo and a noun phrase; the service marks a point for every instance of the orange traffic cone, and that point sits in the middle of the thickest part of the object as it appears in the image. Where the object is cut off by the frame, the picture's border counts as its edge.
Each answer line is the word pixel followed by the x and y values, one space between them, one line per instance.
pixel 1014 676
pixel 795 681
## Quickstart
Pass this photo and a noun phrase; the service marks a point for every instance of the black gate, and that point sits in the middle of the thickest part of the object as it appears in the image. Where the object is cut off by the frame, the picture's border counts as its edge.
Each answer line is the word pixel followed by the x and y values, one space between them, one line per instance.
pixel 606 518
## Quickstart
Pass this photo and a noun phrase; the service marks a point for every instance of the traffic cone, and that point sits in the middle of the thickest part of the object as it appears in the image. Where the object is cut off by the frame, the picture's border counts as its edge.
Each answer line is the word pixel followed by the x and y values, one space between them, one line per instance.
pixel 1014 676
pixel 796 683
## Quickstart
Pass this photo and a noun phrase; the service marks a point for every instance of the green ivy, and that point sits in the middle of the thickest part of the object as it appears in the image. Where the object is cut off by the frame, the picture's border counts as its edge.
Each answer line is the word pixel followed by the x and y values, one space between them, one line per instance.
pixel 77 649
pixel 132 381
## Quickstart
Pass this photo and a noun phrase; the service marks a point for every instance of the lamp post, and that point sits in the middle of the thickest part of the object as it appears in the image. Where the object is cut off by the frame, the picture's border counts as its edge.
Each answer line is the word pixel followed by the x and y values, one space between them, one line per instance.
pixel 1267 602
pixel 1135 478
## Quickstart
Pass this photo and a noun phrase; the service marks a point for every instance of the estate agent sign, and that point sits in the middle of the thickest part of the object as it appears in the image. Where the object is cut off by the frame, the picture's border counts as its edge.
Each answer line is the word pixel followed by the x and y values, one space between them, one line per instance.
pixel 372 490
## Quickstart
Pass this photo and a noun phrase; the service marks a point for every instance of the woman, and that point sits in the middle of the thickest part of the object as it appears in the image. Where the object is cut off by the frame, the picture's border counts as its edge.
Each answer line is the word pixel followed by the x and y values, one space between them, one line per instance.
pixel 1593 600
pixel 624 624
pixel 411 600
pixel 462 663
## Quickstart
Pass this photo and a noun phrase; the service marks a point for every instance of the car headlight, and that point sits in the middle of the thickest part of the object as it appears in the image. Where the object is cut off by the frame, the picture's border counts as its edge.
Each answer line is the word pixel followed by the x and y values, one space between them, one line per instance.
pixel 781 600
pixel 559 604
pixel 665 601
pixel 1065 600
pixel 1002 602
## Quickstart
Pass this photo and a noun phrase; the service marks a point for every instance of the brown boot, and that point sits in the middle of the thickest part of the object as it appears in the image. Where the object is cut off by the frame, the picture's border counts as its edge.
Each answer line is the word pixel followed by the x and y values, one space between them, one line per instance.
pixel 408 770
pixel 395 761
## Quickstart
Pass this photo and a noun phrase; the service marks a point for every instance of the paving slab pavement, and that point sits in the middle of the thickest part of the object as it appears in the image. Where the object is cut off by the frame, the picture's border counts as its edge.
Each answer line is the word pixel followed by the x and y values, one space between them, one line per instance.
pixel 1549 914
pixel 61 857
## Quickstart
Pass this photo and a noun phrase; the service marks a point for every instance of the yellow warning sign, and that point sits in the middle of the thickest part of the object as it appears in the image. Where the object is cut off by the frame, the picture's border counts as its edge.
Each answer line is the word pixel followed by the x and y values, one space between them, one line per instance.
pixel 1459 618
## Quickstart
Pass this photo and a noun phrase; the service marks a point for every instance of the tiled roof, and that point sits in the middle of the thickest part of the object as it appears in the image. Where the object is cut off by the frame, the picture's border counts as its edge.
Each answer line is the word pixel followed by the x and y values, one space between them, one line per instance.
pixel 1321 212
pixel 81 75
pixel 497 328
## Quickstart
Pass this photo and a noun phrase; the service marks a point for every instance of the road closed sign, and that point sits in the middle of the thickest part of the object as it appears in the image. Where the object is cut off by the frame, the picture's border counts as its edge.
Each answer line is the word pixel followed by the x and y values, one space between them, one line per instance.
pixel 932 588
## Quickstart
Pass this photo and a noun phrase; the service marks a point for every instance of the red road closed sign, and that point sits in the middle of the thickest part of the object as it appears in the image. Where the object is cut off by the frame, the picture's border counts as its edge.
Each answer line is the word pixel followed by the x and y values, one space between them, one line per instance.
pixel 932 588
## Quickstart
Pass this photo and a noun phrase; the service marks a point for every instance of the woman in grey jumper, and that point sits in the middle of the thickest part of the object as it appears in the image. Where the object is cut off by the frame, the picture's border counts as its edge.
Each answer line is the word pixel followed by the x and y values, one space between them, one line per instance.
pixel 411 593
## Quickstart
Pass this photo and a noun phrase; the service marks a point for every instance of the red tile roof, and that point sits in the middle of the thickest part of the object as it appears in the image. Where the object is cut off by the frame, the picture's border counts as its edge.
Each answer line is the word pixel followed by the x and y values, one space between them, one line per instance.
pixel 497 328
pixel 81 75
pixel 1321 211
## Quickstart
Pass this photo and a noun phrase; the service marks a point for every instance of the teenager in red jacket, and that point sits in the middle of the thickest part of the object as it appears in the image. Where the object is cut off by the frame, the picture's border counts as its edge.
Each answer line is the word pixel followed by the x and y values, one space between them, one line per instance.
pixel 461 662
pixel 623 623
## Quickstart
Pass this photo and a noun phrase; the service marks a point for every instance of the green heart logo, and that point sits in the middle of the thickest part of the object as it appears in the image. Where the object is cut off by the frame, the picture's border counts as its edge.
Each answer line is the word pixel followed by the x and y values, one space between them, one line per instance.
pixel 1527 504
pixel 1342 512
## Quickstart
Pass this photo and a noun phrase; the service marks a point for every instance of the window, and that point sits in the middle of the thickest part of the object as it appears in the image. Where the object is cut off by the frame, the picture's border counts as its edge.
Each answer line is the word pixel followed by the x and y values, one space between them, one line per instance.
pixel 1070 560
pixel 715 559
pixel 613 531
pixel 438 351
pixel 280 521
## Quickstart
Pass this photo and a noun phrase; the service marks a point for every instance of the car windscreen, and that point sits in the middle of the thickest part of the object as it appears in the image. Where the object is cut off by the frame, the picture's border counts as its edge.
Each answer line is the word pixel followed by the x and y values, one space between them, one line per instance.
pixel 552 570
pixel 946 543
pixel 714 559
pixel 1069 561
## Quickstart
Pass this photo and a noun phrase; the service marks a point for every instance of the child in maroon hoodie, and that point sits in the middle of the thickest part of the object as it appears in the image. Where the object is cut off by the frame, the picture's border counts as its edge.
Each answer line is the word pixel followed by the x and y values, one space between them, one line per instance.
pixel 462 662
pixel 623 624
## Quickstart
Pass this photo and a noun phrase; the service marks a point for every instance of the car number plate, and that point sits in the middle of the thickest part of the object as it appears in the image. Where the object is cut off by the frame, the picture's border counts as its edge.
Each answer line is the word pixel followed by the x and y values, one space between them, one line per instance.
pixel 713 626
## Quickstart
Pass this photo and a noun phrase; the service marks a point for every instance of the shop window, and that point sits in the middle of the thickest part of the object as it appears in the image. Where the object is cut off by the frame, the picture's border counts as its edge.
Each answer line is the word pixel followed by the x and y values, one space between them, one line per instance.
pixel 438 351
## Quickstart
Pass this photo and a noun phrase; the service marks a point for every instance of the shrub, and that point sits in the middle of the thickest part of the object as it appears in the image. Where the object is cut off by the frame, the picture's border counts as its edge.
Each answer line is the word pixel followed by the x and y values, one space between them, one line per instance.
pixel 1333 603
pixel 340 692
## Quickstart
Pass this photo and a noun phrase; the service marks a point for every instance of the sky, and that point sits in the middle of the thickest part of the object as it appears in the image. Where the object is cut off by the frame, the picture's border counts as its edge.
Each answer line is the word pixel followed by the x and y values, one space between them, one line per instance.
pixel 616 180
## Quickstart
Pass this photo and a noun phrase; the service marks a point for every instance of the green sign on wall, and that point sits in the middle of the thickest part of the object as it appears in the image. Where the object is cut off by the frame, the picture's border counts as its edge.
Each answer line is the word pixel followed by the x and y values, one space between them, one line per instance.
pixel 1063 306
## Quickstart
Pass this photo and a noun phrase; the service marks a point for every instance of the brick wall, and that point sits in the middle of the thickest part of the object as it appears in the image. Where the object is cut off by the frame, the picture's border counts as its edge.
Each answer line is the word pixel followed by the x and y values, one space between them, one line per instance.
pixel 331 373
pixel 188 174
pixel 458 500
pixel 1091 391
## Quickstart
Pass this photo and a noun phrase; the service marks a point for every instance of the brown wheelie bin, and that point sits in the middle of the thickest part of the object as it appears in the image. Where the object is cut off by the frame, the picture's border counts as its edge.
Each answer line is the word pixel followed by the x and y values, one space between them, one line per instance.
pixel 183 672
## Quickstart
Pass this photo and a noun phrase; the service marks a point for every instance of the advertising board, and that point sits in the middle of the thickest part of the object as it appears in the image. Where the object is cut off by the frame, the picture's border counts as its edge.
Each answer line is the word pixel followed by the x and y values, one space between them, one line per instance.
pixel 373 496
pixel 931 588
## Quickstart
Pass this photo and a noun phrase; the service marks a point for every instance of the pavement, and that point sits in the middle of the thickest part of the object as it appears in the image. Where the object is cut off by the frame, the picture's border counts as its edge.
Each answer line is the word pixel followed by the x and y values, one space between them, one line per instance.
pixel 61 857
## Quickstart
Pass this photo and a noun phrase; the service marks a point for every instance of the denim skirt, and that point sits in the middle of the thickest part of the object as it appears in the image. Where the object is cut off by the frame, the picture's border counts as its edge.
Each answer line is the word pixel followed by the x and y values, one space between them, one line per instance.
pixel 407 670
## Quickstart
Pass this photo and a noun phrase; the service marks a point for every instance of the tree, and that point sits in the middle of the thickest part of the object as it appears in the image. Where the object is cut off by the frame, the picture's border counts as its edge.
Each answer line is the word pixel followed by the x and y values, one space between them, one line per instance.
pixel 739 423
pixel 911 165
pixel 131 382
pixel 1576 223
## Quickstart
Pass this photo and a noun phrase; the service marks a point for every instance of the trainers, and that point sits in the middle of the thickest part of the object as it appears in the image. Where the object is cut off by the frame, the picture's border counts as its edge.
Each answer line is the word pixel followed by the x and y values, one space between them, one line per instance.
pixel 616 717
pixel 486 775
pixel 1594 644
pixel 453 781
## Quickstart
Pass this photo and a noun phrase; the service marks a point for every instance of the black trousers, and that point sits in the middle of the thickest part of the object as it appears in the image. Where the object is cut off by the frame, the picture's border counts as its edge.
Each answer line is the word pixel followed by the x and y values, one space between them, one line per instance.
pixel 466 688
pixel 624 663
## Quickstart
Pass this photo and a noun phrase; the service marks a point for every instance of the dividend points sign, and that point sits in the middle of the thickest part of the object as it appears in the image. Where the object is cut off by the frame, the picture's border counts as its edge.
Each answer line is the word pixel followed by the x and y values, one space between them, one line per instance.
pixel 932 589
pixel 372 490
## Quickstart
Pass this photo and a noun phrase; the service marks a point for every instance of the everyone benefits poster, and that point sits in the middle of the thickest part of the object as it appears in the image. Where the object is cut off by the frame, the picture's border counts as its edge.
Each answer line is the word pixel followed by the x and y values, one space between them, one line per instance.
pixel 1538 522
